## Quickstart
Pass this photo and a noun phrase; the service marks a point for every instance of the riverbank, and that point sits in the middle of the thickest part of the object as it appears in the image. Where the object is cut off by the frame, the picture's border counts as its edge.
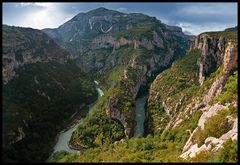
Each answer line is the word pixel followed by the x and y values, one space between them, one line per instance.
pixel 63 137
pixel 71 123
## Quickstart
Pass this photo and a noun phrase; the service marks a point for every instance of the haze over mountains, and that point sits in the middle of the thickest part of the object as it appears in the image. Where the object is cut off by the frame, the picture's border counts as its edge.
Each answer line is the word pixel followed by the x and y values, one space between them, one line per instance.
pixel 189 82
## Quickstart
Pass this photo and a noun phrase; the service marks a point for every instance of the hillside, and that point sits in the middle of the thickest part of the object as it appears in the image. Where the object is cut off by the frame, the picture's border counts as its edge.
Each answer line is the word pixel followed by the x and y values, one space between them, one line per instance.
pixel 25 46
pixel 108 86
pixel 189 119
pixel 42 92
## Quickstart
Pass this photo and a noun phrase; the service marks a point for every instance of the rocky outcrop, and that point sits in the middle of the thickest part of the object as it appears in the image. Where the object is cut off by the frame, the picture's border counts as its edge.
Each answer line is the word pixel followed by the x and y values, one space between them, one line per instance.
pixel 229 64
pixel 215 89
pixel 215 51
pixel 25 46
pixel 211 143
pixel 212 54
pixel 230 57
pixel 20 137
pixel 115 113
pixel 106 41
pixel 127 117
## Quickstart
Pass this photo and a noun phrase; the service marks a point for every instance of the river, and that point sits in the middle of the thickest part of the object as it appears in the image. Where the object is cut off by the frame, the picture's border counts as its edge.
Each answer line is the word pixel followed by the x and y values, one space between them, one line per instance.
pixel 140 116
pixel 64 137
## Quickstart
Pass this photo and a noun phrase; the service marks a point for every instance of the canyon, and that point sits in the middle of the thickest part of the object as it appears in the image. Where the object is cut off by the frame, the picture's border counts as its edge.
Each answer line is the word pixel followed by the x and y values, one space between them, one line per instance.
pixel 152 90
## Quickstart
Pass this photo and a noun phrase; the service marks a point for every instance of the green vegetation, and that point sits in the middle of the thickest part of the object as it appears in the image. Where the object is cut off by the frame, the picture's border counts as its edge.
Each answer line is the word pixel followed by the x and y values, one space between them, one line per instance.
pixel 181 133
pixel 176 83
pixel 229 35
pixel 97 129
pixel 45 96
pixel 209 81
pixel 27 39
pixel 181 79
pixel 214 126
pixel 136 33
pixel 232 29
pixel 151 149
pixel 148 149
pixel 114 76
pixel 41 100
pixel 97 56
pixel 18 56
pixel 227 154
pixel 229 93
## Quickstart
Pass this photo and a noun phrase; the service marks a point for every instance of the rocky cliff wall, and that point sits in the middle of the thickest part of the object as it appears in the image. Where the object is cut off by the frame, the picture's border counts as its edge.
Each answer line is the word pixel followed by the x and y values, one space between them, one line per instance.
pixel 24 46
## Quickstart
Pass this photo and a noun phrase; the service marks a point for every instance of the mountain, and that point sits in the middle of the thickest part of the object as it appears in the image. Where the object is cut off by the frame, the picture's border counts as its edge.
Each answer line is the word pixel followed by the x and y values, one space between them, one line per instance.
pixel 124 52
pixel 130 47
pixel 42 90
pixel 103 29
pixel 25 46
pixel 197 89
pixel 167 96
pixel 191 110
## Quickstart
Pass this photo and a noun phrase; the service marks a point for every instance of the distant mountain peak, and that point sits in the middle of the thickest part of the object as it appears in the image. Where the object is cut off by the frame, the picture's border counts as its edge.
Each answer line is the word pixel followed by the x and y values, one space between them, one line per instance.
pixel 100 9
pixel 103 11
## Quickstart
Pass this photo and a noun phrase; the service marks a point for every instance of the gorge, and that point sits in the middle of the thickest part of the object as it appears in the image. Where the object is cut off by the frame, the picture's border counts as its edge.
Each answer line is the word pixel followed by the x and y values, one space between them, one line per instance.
pixel 123 87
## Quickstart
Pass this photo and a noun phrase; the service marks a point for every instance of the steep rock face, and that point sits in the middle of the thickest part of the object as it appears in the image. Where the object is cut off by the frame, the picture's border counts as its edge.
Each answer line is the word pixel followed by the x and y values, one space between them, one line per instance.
pixel 215 89
pixel 102 29
pixel 229 64
pixel 216 50
pixel 166 96
pixel 211 56
pixel 106 41
pixel 230 57
pixel 115 109
pixel 191 149
pixel 171 103
pixel 30 46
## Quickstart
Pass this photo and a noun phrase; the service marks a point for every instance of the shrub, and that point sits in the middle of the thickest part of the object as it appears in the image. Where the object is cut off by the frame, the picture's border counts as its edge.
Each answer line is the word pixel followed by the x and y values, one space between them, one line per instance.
pixel 227 154
pixel 214 126
pixel 230 90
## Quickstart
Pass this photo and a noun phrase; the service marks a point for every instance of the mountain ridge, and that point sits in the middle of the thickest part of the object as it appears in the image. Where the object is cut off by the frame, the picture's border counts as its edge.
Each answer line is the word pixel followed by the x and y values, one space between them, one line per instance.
pixel 190 83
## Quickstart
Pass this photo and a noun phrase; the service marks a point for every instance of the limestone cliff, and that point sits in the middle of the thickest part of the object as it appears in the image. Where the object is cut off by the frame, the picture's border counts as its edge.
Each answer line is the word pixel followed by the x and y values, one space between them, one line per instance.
pixel 229 63
pixel 174 102
pixel 103 29
pixel 213 49
pixel 24 46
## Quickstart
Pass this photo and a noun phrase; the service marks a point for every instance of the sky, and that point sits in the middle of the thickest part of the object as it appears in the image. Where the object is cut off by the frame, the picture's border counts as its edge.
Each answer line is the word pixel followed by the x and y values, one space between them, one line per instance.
pixel 193 18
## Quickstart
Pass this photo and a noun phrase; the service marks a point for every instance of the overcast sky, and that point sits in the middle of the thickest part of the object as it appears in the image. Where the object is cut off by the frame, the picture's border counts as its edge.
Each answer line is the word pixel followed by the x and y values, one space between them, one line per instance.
pixel 193 18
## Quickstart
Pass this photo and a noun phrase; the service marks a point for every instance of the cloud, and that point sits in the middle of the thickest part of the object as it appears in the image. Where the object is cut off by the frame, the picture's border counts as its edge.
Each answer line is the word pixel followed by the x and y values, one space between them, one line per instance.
pixel 192 17
pixel 196 29
pixel 22 4
pixel 187 32
pixel 47 4
pixel 209 9
pixel 122 9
